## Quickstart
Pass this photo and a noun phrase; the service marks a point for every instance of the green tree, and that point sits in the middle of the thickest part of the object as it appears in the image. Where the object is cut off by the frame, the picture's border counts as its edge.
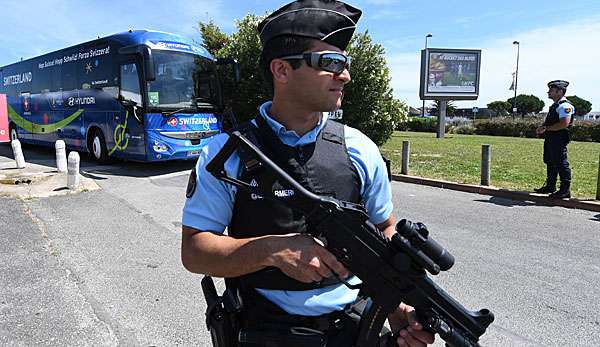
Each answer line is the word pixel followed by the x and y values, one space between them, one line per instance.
pixel 527 104
pixel 499 108
pixel 435 108
pixel 213 38
pixel 582 106
pixel 368 103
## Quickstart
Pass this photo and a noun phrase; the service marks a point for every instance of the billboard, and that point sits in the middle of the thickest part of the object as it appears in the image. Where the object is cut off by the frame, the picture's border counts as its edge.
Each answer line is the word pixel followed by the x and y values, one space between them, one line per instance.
pixel 451 74
pixel 4 136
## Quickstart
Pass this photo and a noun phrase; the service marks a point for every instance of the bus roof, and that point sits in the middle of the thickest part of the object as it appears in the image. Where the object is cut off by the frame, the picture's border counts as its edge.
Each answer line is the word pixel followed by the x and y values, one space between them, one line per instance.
pixel 153 39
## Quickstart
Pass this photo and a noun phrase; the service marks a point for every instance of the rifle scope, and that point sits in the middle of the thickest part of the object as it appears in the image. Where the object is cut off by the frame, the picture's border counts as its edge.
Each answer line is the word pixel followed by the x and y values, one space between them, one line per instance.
pixel 418 237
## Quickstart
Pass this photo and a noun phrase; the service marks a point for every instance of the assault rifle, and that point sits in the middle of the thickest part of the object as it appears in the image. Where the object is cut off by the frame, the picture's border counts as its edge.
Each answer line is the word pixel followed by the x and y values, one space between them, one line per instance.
pixel 391 270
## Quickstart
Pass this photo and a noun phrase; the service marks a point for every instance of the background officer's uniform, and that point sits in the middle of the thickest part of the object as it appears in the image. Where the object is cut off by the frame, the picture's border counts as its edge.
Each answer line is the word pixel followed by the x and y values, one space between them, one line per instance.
pixel 555 146
pixel 311 159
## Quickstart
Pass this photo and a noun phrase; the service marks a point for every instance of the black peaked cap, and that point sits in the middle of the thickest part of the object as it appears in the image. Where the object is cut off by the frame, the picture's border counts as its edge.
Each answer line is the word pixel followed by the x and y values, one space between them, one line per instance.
pixel 558 84
pixel 330 21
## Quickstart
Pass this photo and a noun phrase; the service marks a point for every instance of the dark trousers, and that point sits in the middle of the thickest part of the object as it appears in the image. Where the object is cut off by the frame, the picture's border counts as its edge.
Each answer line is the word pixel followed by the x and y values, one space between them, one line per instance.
pixel 555 157
pixel 260 317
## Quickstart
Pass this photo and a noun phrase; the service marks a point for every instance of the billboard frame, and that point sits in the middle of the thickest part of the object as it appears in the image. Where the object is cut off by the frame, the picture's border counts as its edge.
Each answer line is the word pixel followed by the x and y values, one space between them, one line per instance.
pixel 425 95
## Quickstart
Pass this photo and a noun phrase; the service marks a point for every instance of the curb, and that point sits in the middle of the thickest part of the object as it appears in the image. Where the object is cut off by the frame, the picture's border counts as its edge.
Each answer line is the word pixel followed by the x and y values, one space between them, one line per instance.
pixel 590 205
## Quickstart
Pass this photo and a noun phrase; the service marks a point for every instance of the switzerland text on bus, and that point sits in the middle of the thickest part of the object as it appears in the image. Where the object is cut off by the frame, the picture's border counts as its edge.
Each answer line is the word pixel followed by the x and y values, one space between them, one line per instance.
pixel 141 95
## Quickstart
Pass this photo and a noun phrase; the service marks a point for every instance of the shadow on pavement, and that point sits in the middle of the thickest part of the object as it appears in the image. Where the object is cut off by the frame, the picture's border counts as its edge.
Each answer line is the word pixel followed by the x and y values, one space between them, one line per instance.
pixel 89 167
pixel 510 202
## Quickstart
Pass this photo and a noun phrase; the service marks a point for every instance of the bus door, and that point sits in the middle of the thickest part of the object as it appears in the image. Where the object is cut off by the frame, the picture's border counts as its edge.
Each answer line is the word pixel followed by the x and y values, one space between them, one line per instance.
pixel 127 126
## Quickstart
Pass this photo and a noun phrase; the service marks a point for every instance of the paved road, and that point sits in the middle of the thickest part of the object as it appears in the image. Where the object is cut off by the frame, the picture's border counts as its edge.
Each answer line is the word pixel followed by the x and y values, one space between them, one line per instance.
pixel 103 268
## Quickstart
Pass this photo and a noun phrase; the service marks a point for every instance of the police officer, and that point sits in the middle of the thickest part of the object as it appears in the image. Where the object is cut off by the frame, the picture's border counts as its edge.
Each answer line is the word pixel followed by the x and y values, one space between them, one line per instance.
pixel 285 277
pixel 556 137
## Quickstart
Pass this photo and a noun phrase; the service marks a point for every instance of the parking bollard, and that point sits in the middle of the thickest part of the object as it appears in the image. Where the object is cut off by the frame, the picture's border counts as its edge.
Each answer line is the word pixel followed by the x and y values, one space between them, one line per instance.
pixel 61 156
pixel 73 170
pixel 598 182
pixel 405 157
pixel 18 153
pixel 485 165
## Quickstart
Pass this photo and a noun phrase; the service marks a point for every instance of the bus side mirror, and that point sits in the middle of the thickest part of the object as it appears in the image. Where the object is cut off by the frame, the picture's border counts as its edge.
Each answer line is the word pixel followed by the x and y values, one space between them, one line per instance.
pixel 146 54
pixel 234 64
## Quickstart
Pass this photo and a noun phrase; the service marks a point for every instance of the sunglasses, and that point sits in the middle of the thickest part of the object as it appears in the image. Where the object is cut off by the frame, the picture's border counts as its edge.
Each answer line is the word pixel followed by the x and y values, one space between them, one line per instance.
pixel 329 61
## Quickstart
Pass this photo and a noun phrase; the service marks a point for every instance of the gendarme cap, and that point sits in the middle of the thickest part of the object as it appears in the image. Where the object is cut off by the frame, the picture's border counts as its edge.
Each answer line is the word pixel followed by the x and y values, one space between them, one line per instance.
pixel 560 84
pixel 330 21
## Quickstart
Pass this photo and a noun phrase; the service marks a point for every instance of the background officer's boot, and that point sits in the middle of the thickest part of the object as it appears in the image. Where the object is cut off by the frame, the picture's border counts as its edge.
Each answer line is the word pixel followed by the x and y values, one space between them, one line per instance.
pixel 545 189
pixel 563 193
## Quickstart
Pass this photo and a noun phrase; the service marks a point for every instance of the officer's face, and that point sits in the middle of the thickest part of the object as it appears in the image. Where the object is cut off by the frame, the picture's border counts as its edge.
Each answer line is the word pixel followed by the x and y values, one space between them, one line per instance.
pixel 555 94
pixel 318 90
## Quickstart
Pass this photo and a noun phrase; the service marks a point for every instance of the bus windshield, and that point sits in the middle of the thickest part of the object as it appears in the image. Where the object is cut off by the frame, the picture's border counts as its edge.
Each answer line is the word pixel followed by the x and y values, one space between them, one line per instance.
pixel 183 81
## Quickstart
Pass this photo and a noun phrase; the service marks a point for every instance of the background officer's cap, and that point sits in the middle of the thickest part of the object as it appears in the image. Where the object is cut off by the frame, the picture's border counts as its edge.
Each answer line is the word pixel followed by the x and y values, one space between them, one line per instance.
pixel 560 84
pixel 326 20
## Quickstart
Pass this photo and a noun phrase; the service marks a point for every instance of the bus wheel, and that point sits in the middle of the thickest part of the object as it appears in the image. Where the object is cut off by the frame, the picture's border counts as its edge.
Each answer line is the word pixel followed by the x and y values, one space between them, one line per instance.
pixel 98 147
pixel 14 135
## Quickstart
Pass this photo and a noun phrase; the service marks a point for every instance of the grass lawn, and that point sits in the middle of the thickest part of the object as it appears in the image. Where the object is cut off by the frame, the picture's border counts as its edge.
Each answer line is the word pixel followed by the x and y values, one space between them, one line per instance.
pixel 516 162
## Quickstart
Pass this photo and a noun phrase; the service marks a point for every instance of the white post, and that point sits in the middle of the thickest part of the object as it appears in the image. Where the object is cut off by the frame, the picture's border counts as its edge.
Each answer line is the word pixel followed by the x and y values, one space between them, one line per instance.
pixel 73 170
pixel 18 153
pixel 61 156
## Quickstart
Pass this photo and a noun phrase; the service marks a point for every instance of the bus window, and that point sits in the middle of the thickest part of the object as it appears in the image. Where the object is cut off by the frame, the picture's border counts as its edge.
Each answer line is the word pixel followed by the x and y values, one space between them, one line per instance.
pixel 130 84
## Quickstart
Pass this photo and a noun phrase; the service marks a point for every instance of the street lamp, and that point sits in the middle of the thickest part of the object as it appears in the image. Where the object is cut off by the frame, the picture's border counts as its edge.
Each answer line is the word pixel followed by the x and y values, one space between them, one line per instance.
pixel 516 78
pixel 423 109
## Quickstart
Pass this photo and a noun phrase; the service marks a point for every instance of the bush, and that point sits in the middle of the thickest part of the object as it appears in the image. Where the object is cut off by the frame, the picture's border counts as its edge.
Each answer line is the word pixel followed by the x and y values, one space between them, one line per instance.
pixel 506 126
pixel 465 129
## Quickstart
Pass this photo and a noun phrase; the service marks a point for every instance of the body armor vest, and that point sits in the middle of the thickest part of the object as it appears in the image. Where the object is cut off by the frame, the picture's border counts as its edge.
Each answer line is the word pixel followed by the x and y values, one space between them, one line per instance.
pixel 553 118
pixel 323 167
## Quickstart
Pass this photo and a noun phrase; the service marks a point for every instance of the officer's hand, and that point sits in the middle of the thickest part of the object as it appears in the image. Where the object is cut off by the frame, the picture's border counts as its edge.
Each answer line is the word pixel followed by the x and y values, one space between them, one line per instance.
pixel 299 256
pixel 540 130
pixel 410 332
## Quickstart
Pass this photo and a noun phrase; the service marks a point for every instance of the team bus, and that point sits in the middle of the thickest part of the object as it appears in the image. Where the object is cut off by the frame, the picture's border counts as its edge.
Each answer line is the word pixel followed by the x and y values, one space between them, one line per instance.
pixel 139 95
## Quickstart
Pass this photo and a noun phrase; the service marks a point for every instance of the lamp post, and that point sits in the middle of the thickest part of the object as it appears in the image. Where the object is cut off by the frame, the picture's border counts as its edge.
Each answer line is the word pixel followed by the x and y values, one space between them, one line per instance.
pixel 516 78
pixel 423 109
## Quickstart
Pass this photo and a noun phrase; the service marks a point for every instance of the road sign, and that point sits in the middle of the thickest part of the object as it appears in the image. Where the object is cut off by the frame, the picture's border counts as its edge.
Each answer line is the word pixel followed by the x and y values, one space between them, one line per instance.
pixel 475 109
pixel 4 136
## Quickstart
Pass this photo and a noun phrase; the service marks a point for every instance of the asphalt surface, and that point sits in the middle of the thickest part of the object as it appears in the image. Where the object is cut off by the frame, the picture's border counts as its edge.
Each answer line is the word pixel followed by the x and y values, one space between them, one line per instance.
pixel 102 267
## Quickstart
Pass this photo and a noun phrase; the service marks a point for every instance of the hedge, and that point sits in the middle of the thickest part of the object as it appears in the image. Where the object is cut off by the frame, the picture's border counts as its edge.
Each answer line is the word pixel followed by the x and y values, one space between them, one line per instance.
pixel 587 131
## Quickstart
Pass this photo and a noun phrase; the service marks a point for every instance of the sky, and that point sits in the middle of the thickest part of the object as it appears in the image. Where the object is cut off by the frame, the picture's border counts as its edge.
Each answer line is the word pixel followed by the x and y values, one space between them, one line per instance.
pixel 558 39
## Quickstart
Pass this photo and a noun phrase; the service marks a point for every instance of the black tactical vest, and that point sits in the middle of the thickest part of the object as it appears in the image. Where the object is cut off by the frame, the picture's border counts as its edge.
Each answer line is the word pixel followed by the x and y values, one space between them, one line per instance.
pixel 553 118
pixel 323 167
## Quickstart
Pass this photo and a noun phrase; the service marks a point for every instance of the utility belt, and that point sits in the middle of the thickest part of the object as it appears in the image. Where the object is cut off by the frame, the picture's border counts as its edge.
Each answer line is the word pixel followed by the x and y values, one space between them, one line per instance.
pixel 262 323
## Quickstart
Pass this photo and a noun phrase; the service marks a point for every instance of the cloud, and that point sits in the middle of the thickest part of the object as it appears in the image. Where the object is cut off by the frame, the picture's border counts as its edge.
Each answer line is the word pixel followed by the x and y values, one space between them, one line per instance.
pixel 568 52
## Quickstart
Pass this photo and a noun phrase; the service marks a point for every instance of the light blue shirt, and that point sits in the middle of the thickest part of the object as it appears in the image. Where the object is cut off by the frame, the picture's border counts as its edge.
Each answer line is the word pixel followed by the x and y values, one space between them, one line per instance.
pixel 565 110
pixel 210 208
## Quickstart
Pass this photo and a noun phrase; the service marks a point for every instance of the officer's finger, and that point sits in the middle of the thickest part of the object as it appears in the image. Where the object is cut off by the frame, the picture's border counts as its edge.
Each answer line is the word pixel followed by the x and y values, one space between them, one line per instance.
pixel 320 267
pixel 409 340
pixel 411 316
pixel 333 264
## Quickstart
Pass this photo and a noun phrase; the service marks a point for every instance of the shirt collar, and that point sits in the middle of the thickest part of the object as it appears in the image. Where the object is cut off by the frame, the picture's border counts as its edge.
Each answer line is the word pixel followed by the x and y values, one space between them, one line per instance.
pixel 290 137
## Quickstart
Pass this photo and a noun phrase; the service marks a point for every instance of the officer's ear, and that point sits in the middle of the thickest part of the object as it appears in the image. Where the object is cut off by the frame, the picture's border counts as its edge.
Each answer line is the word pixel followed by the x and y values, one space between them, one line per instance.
pixel 280 69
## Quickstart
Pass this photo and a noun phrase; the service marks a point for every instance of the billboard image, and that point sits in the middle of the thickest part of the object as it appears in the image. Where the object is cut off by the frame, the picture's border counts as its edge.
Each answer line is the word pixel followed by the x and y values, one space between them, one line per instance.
pixel 450 73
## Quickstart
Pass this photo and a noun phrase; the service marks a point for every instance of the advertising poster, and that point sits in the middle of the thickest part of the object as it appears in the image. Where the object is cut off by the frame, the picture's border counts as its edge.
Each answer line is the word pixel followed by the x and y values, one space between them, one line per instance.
pixel 4 136
pixel 452 72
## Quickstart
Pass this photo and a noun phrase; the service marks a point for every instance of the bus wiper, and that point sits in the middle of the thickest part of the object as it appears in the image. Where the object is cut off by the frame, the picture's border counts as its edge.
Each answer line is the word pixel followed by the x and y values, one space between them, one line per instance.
pixel 176 111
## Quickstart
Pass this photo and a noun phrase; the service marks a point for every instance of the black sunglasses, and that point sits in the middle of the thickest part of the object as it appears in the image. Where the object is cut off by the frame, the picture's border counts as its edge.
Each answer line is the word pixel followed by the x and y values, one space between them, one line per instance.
pixel 329 61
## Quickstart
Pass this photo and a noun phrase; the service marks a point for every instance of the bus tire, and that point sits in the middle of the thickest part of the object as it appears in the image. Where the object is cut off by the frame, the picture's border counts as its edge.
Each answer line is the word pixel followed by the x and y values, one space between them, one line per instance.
pixel 97 147
pixel 13 133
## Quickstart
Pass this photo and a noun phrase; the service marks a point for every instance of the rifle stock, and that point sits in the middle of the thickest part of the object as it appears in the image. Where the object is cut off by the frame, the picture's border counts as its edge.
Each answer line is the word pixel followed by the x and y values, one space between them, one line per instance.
pixel 391 270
